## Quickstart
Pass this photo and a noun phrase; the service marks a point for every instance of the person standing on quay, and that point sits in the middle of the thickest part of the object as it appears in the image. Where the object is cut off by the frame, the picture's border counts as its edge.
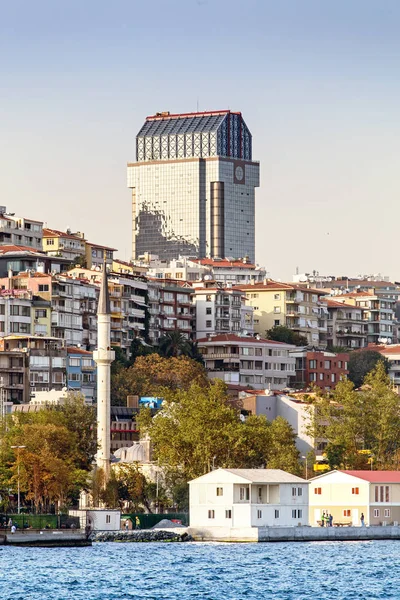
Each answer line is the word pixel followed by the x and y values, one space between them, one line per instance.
pixel 362 520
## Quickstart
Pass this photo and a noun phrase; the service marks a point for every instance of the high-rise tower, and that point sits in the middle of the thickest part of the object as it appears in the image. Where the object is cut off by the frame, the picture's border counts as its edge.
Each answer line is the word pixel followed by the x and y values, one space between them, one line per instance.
pixel 193 186
pixel 103 356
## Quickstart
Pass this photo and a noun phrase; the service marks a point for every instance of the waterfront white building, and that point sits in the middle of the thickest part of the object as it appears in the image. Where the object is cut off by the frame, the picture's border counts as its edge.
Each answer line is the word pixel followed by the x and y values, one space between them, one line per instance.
pixel 247 498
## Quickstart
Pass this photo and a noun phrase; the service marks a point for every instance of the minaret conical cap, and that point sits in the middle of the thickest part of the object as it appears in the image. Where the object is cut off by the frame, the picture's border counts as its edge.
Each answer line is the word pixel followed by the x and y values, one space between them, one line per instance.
pixel 104 297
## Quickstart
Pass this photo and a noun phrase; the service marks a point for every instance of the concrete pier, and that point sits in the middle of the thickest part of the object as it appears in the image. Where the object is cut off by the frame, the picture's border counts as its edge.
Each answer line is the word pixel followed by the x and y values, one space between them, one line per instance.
pixel 46 538
pixel 292 534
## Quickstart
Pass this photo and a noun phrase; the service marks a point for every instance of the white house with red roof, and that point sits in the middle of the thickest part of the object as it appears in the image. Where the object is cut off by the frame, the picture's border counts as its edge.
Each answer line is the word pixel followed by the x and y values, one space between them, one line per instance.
pixel 346 495
pixel 246 360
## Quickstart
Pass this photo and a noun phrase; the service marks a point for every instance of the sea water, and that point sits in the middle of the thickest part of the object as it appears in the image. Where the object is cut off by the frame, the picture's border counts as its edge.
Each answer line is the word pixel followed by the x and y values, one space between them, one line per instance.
pixel 166 571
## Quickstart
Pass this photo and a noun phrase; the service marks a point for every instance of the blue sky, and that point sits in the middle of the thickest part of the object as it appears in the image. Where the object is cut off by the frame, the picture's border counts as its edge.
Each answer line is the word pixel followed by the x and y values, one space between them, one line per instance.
pixel 317 83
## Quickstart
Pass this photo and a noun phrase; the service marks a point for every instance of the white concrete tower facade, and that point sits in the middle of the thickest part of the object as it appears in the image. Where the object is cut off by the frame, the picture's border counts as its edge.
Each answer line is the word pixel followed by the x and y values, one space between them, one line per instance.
pixel 104 356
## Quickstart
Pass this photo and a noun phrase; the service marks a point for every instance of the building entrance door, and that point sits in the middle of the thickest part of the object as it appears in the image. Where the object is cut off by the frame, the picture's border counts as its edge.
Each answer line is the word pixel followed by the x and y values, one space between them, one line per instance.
pixel 317 515
pixel 354 514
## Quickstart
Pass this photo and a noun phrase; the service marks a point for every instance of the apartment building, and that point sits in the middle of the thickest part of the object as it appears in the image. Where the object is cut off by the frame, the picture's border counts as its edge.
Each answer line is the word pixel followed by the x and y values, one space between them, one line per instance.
pixel 18 259
pixel 81 373
pixel 346 325
pixel 15 312
pixel 248 361
pixel 19 231
pixel 378 314
pixel 299 308
pixel 231 271
pixel 14 376
pixel 63 243
pixel 128 300
pixel 323 369
pixel 44 366
pixel 170 308
pixel 221 310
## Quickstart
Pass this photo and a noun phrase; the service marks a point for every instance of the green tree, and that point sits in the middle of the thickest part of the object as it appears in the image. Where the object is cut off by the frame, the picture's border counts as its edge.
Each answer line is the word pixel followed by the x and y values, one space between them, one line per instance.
pixel 280 333
pixel 173 343
pixel 360 424
pixel 362 362
pixel 154 375
pixel 198 429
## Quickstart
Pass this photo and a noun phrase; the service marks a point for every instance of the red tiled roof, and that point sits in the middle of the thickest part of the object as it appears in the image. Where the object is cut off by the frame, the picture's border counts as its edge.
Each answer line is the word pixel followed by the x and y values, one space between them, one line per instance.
pixel 56 233
pixel 277 285
pixel 376 476
pixel 231 337
pixel 72 350
pixel 383 349
pixel 336 304
pixel 101 246
pixel 14 248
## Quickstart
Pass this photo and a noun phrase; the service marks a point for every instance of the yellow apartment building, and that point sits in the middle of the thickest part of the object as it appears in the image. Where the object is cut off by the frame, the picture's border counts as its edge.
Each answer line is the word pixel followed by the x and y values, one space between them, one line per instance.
pixel 299 308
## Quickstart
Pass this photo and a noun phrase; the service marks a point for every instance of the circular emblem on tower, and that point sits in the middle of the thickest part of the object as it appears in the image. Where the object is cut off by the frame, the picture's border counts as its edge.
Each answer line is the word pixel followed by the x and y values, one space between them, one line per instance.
pixel 239 173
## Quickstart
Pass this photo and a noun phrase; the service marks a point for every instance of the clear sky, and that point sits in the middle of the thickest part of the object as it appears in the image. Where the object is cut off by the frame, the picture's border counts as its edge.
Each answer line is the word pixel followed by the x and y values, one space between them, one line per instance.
pixel 317 82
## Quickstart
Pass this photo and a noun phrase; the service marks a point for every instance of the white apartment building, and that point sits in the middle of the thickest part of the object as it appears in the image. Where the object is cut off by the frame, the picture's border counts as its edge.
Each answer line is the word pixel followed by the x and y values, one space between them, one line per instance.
pixel 248 361
pixel 232 271
pixel 15 312
pixel 19 231
pixel 221 310
pixel 378 314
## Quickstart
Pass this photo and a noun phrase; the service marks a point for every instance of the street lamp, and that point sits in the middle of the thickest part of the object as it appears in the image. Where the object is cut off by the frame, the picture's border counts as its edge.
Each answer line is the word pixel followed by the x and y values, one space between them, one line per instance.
pixel 19 497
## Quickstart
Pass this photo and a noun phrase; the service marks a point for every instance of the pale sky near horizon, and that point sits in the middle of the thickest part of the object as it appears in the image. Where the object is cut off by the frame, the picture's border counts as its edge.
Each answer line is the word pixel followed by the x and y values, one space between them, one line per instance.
pixel 317 83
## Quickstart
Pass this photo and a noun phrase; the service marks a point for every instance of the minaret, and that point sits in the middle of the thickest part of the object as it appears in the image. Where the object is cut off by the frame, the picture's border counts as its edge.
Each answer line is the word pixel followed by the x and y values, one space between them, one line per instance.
pixel 103 357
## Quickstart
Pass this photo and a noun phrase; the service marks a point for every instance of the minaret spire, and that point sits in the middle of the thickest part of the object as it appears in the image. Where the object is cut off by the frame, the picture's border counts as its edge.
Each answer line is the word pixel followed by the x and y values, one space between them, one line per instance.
pixel 104 356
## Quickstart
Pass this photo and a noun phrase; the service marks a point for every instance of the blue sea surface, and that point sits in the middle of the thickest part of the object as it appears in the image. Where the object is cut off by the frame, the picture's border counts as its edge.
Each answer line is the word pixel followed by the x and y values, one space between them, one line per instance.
pixel 166 571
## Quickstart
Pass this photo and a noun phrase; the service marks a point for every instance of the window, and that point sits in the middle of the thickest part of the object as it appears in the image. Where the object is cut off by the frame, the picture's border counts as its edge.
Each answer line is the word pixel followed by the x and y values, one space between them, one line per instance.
pixel 377 493
pixel 294 492
pixel 258 352
pixel 299 491
pixel 347 512
pixel 276 514
pixel 50 242
pixel 74 377
pixel 387 512
pixel 208 310
pixel 208 298
pixel 327 364
pixel 43 287
pixel 58 377
pixel 276 322
pixel 318 491
pixel 387 493
pixel 333 377
pixel 108 518
pixel 259 514
pixel 244 493
pixel 40 314
pixel 297 514
pixel 74 362
pixel 277 296
pixel 277 310
pixel 208 324
pixel 377 512
pixel 211 514
pixel 228 514
pixel 220 491
pixel 355 490
pixel 312 364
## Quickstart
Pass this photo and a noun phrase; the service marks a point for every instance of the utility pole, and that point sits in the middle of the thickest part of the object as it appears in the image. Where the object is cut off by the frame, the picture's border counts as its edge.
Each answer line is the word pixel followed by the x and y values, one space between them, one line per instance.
pixel 18 448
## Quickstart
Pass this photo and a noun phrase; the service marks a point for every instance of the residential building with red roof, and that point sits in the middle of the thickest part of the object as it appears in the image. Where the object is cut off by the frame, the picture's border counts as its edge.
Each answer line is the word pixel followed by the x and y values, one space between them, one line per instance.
pixel 346 324
pixel 63 243
pixel 298 307
pixel 246 360
pixel 378 313
pixel 347 495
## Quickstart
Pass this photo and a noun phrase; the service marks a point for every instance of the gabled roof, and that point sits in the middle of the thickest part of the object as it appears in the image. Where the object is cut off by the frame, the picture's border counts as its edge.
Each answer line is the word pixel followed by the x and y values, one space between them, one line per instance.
pixel 366 475
pixel 48 233
pixel 376 476
pixel 255 476
pixel 279 286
